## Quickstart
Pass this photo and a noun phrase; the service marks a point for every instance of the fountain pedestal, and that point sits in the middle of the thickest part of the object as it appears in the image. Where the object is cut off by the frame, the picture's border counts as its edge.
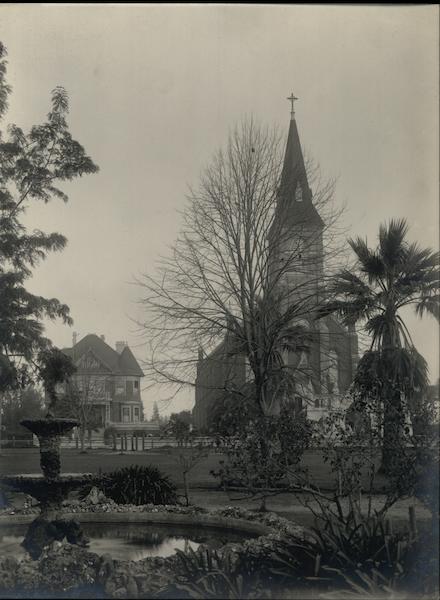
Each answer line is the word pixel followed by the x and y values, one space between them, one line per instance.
pixel 49 432
pixel 49 489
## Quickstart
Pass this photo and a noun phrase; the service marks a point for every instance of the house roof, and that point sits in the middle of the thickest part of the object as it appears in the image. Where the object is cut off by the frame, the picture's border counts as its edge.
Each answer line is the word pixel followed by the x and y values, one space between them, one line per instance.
pixel 119 364
pixel 295 204
pixel 128 364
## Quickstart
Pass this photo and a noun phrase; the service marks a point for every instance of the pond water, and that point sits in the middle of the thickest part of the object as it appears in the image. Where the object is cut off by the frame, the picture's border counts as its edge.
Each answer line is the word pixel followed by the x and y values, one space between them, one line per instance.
pixel 132 541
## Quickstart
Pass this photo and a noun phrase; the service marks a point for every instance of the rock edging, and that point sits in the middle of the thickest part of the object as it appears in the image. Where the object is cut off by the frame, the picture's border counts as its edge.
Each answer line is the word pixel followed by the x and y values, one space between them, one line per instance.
pixel 64 569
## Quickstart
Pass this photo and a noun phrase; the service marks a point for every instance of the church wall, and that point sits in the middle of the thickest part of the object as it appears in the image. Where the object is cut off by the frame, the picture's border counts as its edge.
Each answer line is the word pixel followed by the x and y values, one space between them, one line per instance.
pixel 213 372
pixel 315 361
pixel 339 342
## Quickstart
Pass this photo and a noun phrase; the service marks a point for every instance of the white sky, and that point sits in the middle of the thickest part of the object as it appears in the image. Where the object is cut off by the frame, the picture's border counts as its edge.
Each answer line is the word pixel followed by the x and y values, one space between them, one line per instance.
pixel 154 90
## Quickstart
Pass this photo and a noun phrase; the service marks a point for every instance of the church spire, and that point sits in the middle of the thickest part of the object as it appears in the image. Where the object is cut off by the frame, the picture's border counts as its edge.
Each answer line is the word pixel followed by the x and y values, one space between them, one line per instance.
pixel 294 195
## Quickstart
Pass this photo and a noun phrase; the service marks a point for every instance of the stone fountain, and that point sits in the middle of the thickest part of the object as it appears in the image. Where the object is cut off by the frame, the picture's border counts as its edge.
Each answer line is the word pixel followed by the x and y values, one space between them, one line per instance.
pixel 51 488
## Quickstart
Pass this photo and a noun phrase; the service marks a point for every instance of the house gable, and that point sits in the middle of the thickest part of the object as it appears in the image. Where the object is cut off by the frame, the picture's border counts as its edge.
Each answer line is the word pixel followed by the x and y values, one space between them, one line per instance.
pixel 92 363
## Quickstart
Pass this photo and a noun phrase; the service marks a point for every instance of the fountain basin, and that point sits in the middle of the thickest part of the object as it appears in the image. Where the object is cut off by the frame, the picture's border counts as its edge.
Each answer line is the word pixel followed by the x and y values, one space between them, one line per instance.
pixel 244 526
pixel 41 489
pixel 134 541
pixel 135 536
pixel 50 426
pixel 76 569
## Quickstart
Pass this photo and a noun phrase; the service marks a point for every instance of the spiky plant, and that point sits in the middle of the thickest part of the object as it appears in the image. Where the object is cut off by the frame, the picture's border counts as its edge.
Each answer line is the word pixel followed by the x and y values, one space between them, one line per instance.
pixel 138 485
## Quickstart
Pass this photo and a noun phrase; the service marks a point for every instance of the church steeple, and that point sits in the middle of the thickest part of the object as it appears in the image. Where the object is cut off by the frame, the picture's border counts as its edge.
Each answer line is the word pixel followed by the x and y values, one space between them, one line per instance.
pixel 294 195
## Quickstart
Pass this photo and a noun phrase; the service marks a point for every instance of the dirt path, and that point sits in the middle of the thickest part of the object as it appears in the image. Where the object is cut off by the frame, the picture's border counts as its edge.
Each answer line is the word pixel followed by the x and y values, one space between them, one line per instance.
pixel 290 507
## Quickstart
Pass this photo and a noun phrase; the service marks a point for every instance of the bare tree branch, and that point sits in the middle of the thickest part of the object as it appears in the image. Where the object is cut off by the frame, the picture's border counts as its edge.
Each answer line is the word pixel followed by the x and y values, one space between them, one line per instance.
pixel 237 270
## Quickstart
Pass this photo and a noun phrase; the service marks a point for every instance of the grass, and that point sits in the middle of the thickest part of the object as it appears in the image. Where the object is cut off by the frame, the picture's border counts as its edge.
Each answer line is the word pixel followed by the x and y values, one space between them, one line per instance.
pixel 204 489
pixel 26 460
pixel 16 461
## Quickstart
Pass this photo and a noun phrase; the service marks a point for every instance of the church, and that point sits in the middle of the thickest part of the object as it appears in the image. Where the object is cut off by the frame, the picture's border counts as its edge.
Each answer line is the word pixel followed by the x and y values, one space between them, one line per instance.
pixel 327 369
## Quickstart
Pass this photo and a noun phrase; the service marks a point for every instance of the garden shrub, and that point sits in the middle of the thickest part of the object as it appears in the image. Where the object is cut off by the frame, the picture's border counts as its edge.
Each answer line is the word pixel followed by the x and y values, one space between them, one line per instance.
pixel 347 554
pixel 212 574
pixel 109 433
pixel 266 453
pixel 360 553
pixel 138 485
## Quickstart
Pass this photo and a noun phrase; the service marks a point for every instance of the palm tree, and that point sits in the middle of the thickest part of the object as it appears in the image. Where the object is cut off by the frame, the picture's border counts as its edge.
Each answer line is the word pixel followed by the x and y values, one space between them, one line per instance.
pixel 394 275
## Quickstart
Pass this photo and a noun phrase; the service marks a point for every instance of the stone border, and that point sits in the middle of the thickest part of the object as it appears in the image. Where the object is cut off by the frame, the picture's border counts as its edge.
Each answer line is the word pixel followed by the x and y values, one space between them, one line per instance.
pixel 229 518
pixel 129 579
pixel 163 518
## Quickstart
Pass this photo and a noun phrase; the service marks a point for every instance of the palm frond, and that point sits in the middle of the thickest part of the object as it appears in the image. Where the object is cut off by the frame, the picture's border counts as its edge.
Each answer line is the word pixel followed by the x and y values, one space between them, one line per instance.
pixel 419 269
pixel 348 312
pixel 429 305
pixel 421 259
pixel 370 261
pixel 349 284
pixel 392 245
pixel 410 368
pixel 376 326
pixel 404 366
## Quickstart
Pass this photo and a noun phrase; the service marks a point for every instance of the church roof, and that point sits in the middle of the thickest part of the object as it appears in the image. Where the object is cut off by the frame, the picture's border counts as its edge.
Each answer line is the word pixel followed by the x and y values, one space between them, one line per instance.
pixel 294 195
pixel 119 364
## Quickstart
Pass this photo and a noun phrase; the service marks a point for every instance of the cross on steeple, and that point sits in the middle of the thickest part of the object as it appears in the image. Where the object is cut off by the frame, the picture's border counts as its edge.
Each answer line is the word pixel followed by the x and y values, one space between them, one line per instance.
pixel 292 99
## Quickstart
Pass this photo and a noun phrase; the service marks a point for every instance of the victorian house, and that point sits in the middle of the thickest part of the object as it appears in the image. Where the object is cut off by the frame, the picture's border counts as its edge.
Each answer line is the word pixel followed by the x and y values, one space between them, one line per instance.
pixel 108 380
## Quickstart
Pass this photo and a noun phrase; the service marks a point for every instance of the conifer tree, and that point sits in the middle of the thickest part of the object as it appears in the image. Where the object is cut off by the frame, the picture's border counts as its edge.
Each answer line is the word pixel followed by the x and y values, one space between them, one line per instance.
pixel 155 417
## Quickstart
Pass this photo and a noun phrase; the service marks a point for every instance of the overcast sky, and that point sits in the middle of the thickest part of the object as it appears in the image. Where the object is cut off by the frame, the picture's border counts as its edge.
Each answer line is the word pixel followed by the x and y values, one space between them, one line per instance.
pixel 154 90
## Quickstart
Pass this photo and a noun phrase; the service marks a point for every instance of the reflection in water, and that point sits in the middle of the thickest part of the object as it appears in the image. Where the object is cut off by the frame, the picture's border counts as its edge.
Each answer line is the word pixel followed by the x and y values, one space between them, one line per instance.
pixel 132 541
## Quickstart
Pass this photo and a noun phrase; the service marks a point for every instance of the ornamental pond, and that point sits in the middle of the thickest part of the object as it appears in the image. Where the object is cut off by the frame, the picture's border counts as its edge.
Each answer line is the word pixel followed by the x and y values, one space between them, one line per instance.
pixel 133 541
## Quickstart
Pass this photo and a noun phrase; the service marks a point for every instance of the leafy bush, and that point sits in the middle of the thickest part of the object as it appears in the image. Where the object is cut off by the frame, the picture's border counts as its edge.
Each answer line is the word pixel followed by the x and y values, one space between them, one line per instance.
pixel 109 433
pixel 138 485
pixel 267 452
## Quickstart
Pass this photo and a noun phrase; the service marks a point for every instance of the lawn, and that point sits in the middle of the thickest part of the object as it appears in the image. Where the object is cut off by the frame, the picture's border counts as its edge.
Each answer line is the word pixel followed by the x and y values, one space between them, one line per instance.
pixel 15 461
pixel 204 488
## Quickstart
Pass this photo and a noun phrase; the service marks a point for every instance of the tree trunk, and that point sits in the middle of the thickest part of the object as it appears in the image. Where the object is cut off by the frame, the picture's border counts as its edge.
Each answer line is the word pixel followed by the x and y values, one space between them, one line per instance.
pixel 263 507
pixel 393 423
pixel 185 487
pixel 264 443
pixel 82 439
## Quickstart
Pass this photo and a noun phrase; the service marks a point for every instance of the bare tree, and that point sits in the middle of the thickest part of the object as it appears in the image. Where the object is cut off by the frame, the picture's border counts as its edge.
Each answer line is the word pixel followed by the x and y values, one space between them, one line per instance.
pixel 241 271
pixel 84 398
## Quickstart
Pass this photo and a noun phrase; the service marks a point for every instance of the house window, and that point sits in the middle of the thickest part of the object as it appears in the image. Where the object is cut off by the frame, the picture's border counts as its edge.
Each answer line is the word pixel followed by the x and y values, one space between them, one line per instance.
pixel 120 385
pixel 110 386
pixel 136 384
pixel 126 414
pixel 136 414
